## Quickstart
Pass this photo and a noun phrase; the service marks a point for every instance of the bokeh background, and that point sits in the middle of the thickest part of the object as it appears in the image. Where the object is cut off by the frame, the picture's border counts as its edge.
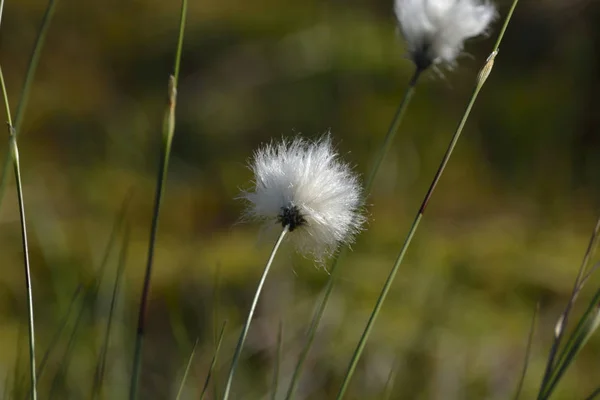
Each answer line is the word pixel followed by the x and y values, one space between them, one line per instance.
pixel 506 229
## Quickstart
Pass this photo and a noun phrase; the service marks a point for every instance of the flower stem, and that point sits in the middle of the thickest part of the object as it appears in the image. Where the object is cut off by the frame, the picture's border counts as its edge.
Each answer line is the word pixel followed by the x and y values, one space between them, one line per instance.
pixel 168 132
pixel 481 78
pixel 14 149
pixel 387 142
pixel 244 333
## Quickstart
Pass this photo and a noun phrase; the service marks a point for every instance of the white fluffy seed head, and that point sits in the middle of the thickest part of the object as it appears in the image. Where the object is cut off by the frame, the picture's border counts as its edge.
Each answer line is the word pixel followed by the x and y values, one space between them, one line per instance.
pixel 435 30
pixel 304 185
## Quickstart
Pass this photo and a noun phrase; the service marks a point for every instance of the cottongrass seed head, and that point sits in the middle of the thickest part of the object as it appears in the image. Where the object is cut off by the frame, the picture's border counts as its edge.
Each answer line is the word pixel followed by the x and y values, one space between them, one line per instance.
pixel 304 185
pixel 435 30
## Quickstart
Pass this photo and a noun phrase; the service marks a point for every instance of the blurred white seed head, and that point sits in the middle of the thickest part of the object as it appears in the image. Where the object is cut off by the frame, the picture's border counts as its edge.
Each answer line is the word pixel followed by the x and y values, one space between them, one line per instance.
pixel 435 30
pixel 304 185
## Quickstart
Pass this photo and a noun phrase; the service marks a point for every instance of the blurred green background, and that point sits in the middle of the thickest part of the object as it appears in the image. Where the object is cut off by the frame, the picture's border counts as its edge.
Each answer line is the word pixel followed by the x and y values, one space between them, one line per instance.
pixel 506 229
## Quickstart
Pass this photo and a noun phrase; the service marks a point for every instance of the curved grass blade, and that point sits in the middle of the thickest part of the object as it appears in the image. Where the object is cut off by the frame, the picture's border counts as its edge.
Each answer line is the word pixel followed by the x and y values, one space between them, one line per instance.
pixel 14 149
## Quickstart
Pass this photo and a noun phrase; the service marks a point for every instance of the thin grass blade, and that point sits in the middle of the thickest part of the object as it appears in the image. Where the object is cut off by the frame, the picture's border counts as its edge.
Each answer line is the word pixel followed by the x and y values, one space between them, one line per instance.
pixel 213 363
pixel 187 370
pixel 99 376
pixel 527 353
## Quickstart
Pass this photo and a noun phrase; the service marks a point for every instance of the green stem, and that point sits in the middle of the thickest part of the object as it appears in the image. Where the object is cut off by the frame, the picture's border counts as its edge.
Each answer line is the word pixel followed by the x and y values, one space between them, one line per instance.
pixel 481 78
pixel 14 148
pixel 244 333
pixel 168 132
pixel 391 133
pixel 26 90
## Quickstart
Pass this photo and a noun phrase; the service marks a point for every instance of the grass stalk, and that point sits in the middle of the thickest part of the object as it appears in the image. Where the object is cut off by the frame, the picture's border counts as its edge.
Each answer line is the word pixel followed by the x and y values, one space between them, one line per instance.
pixel 187 370
pixel 100 370
pixel 527 353
pixel 26 90
pixel 213 362
pixel 168 132
pixel 387 142
pixel 246 328
pixel 14 149
pixel 481 78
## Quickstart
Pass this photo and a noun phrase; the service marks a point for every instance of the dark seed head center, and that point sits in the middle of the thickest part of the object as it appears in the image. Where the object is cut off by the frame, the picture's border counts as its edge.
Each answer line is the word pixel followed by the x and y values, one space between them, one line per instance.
pixel 291 217
pixel 421 57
